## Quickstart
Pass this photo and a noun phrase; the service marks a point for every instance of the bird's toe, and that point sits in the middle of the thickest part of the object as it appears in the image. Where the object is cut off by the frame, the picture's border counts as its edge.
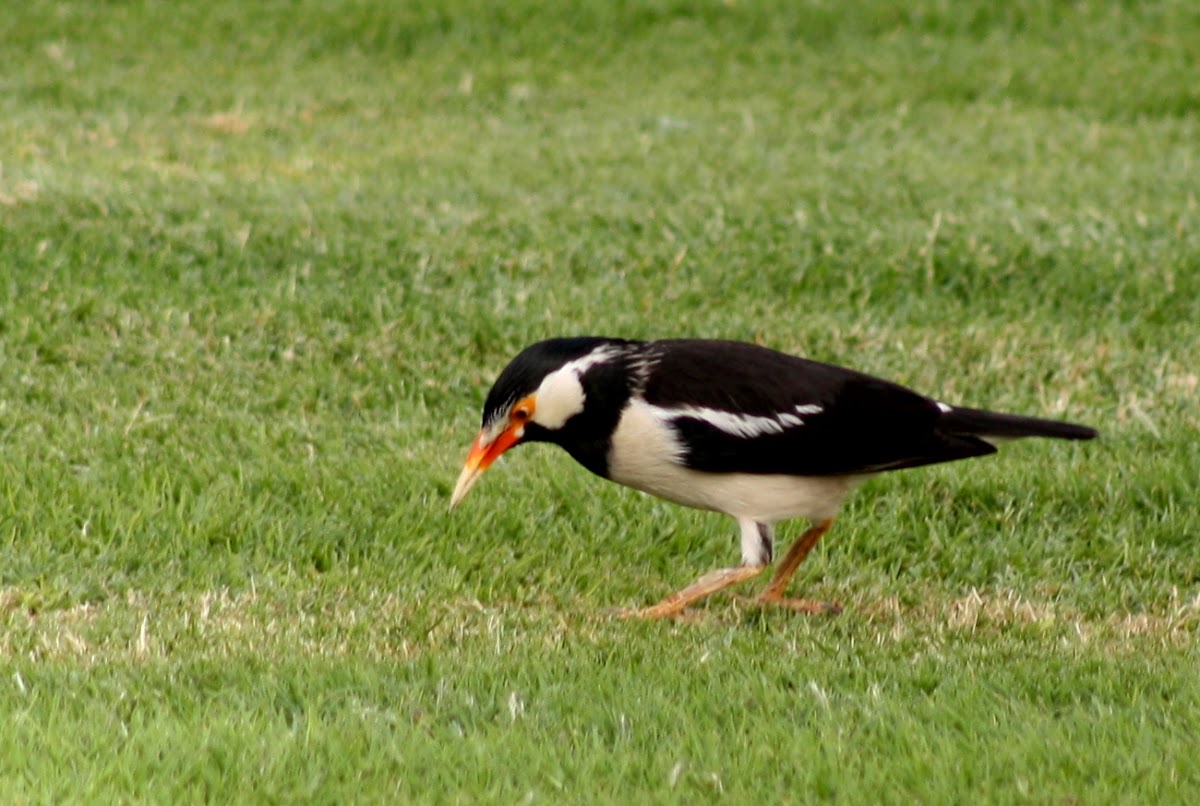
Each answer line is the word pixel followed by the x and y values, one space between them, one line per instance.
pixel 810 606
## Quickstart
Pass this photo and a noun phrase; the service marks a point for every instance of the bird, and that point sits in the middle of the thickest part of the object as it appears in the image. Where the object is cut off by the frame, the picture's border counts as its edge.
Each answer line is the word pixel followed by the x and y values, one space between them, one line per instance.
pixel 757 434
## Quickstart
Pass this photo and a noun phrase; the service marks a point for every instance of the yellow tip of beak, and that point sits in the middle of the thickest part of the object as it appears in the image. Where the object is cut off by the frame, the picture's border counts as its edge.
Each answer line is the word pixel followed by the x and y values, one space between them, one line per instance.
pixel 466 480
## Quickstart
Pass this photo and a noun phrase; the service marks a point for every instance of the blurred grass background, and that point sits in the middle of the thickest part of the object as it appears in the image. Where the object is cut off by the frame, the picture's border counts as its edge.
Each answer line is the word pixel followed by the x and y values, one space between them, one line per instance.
pixel 260 262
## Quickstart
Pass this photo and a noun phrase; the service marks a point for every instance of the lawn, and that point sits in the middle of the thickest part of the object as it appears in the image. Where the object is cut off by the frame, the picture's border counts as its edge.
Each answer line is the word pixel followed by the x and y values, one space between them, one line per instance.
pixel 260 263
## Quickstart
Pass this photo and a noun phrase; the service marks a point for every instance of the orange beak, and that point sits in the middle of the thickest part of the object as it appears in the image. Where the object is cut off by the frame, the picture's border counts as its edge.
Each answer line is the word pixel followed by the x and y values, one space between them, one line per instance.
pixel 483 453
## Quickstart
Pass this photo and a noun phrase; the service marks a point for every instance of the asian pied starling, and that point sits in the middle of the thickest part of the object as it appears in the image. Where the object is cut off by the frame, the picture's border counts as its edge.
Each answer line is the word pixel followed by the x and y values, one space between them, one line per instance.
pixel 757 434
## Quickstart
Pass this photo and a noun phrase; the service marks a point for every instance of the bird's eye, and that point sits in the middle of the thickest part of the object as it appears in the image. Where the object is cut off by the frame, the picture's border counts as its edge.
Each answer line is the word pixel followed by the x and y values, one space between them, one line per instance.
pixel 520 415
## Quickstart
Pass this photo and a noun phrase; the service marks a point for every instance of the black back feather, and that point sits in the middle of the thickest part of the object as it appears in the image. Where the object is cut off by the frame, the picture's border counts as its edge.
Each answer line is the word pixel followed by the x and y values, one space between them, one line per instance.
pixel 865 425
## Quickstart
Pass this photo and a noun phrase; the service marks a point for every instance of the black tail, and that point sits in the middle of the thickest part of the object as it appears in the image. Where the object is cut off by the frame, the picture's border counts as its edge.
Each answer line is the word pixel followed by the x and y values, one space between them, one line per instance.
pixel 980 423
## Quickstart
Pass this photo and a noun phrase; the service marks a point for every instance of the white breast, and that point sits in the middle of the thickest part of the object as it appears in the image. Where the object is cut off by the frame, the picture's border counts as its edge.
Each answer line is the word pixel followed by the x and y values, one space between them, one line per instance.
pixel 646 456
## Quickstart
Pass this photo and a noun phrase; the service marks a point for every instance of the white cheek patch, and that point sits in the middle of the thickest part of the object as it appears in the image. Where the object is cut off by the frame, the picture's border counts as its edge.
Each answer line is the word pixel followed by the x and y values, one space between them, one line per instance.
pixel 559 398
pixel 560 395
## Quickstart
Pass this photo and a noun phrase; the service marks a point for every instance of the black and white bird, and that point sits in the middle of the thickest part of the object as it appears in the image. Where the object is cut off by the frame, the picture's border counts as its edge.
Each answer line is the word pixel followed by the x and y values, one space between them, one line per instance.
pixel 720 425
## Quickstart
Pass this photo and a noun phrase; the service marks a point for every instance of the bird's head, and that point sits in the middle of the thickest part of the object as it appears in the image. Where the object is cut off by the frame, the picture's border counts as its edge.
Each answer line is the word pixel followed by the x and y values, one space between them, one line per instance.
pixel 539 397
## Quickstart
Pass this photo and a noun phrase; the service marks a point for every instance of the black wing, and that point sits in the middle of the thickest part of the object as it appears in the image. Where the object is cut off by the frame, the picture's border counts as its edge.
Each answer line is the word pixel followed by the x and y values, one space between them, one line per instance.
pixel 864 424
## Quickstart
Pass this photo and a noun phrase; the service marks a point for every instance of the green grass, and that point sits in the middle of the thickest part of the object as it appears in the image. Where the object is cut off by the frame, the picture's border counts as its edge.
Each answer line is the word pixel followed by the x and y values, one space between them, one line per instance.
pixel 260 262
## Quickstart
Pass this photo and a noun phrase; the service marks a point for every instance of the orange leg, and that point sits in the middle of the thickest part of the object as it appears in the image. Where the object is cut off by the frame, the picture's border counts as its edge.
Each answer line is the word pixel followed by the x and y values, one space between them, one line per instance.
pixel 704 586
pixel 773 594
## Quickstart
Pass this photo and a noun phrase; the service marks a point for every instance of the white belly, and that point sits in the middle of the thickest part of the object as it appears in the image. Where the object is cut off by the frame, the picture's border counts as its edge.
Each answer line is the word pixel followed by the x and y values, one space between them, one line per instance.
pixel 643 457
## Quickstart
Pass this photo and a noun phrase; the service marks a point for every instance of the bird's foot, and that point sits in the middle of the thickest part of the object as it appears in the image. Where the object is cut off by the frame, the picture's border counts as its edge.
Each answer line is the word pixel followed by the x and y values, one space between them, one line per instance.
pixel 713 581
pixel 810 606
